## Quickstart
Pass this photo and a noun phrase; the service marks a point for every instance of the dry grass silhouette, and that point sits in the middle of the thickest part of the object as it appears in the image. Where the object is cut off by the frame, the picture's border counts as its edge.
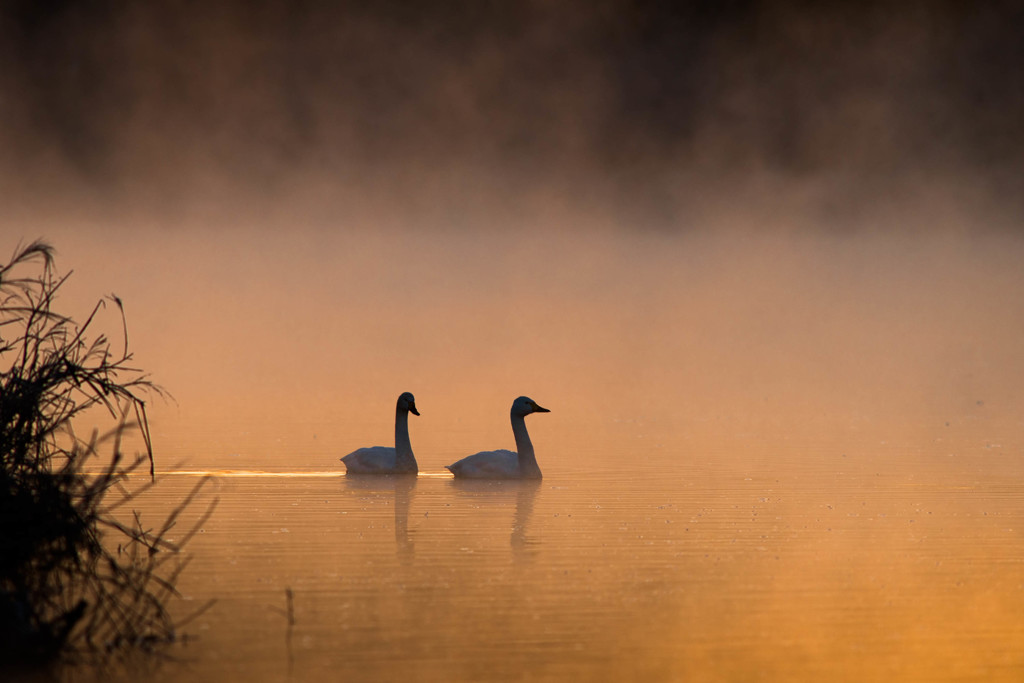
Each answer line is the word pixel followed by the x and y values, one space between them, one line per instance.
pixel 75 579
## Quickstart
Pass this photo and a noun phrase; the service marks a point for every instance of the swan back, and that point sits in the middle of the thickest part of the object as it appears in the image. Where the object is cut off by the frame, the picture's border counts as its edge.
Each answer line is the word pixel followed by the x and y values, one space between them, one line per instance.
pixel 372 460
pixel 500 464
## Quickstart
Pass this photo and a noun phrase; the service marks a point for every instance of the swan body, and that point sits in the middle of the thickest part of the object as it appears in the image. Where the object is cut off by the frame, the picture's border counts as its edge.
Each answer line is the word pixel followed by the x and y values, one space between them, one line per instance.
pixel 505 464
pixel 385 459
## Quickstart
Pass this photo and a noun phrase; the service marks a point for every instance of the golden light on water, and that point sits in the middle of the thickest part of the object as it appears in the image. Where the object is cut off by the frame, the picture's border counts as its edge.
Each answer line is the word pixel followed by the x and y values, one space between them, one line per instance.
pixel 776 457
pixel 762 265
pixel 662 340
pixel 284 475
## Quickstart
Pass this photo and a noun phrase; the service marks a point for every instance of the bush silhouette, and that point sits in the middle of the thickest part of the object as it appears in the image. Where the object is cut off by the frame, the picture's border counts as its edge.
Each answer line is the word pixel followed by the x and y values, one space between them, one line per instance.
pixel 74 579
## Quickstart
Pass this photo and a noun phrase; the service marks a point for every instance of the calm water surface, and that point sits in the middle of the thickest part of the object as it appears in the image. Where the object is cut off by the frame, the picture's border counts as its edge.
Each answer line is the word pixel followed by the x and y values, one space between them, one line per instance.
pixel 829 565
pixel 768 457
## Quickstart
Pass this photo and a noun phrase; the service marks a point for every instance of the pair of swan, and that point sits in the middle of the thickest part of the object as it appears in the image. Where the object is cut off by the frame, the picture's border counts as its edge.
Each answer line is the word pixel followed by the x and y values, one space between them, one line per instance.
pixel 500 464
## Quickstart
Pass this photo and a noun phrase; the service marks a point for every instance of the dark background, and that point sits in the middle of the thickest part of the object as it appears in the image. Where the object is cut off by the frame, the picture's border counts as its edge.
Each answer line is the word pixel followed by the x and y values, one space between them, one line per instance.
pixel 644 107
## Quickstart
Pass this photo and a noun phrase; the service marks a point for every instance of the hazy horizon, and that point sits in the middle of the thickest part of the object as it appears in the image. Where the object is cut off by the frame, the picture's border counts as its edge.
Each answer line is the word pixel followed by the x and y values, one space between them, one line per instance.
pixel 761 261
pixel 463 116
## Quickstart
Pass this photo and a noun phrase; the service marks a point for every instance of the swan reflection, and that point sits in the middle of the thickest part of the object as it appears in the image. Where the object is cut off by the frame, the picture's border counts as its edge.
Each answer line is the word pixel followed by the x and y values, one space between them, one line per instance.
pixel 399 489
pixel 524 544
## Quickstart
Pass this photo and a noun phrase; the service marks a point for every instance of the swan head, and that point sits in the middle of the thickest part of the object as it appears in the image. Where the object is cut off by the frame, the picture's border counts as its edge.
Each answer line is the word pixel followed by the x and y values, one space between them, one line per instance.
pixel 408 403
pixel 525 405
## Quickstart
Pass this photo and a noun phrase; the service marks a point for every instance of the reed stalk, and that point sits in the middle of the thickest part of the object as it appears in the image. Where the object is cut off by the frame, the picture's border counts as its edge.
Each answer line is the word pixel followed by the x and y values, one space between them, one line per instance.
pixel 75 580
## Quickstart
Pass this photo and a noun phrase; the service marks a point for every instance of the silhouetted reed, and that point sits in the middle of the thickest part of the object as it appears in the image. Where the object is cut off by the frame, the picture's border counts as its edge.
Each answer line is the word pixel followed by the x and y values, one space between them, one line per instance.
pixel 75 580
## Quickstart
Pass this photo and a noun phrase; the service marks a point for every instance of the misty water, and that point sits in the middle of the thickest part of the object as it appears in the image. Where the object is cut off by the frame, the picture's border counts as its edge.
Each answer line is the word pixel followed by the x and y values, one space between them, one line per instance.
pixel 762 262
pixel 831 564
pixel 786 457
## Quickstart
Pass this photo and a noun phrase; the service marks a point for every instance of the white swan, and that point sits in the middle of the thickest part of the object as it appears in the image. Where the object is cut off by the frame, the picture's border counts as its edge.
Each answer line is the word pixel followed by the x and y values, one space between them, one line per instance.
pixel 504 464
pixel 384 459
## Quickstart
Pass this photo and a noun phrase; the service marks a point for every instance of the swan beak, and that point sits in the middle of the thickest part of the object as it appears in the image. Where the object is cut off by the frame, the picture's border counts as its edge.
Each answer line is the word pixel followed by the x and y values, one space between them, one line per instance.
pixel 538 409
pixel 412 409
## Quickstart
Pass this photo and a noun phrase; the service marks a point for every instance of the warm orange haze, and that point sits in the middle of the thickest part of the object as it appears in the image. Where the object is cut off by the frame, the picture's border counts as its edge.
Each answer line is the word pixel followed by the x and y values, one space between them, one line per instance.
pixel 766 456
pixel 286 351
pixel 761 262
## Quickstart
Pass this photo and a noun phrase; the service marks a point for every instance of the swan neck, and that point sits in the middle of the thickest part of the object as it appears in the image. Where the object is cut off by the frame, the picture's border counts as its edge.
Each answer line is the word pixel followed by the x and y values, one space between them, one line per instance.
pixel 527 458
pixel 403 446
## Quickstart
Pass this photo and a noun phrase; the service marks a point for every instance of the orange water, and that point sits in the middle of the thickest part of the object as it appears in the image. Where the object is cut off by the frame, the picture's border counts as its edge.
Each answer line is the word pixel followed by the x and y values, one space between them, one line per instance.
pixel 785 457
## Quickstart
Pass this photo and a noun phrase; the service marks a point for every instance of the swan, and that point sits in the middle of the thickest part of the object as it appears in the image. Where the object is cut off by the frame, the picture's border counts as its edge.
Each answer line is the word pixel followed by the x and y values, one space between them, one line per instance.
pixel 384 459
pixel 504 464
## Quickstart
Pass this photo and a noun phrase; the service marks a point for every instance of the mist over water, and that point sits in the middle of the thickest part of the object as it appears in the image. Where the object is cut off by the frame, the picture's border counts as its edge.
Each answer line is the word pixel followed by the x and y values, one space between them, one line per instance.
pixel 761 261
pixel 658 116
pixel 300 341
